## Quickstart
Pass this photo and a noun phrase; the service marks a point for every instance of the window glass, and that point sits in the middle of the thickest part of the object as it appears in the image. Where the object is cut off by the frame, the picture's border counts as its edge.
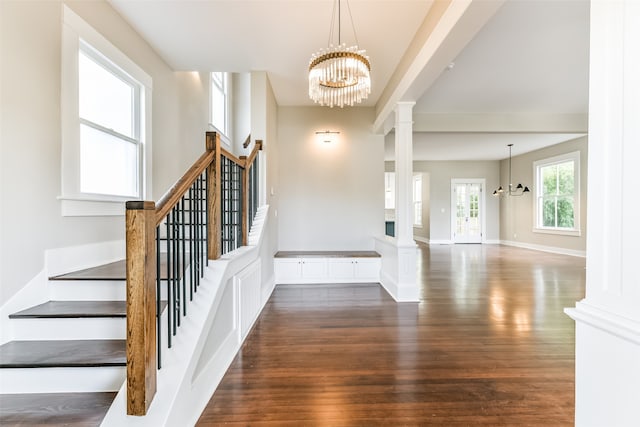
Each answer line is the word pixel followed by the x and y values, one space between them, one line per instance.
pixel 219 101
pixel 417 200
pixel 557 193
pixel 108 165
pixel 104 98
pixel 110 162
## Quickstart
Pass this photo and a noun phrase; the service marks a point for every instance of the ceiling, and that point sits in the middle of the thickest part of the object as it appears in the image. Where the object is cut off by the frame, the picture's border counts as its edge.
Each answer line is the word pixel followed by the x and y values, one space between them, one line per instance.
pixel 531 57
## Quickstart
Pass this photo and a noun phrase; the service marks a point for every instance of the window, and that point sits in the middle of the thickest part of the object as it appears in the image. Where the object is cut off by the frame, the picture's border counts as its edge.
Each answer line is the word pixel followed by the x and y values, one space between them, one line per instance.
pixel 389 190
pixel 220 102
pixel 417 200
pixel 106 150
pixel 558 194
pixel 109 113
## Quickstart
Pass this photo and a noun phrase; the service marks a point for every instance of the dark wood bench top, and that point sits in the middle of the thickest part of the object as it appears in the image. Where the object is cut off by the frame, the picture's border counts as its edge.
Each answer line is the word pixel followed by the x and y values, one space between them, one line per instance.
pixel 327 254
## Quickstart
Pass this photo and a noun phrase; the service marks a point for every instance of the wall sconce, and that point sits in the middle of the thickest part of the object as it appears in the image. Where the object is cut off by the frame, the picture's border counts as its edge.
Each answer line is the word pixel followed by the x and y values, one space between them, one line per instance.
pixel 327 136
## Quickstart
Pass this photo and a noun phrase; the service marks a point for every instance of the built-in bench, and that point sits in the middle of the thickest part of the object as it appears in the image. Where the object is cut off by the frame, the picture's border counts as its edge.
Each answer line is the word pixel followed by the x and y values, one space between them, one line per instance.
pixel 327 267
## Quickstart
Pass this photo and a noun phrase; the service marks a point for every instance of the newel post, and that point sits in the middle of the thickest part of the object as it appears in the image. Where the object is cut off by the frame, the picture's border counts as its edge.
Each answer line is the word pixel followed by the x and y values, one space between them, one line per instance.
pixel 141 306
pixel 214 218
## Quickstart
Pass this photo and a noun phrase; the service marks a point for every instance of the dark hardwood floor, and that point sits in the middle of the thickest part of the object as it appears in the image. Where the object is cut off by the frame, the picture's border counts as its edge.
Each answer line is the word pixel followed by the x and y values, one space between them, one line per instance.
pixel 488 344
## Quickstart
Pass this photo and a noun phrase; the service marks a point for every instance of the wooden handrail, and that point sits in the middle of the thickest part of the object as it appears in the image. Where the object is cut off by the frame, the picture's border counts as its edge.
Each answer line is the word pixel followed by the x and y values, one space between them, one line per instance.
pixel 247 141
pixel 232 157
pixel 171 197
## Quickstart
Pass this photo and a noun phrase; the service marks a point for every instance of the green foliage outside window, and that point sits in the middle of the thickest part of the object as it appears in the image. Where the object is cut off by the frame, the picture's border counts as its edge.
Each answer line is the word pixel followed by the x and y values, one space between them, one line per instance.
pixel 557 198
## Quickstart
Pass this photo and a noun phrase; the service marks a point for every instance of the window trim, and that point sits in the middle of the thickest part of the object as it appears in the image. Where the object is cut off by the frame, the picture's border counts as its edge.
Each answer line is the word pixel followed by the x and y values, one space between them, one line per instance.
pixel 76 33
pixel 537 165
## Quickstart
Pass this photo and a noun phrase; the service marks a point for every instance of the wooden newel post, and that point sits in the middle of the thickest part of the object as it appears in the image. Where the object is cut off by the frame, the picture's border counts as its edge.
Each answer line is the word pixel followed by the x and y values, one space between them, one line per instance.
pixel 141 306
pixel 214 218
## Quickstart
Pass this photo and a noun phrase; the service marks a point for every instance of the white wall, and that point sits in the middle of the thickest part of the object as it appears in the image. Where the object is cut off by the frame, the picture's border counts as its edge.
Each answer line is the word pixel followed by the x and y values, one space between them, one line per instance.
pixel 30 220
pixel 331 196
pixel 241 99
pixel 517 214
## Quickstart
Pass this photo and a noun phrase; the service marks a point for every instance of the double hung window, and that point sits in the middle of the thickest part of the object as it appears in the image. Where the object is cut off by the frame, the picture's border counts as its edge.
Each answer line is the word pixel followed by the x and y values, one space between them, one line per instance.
pixel 558 194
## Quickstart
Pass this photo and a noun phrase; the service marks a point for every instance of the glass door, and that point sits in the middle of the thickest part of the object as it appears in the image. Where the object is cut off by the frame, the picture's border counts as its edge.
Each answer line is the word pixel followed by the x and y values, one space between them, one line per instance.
pixel 466 212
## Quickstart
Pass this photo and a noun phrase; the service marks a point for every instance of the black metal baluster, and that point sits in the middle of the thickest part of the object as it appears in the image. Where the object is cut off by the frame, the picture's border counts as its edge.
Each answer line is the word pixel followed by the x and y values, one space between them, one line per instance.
pixel 196 215
pixel 167 270
pixel 158 299
pixel 192 249
pixel 174 271
pixel 184 259
pixel 206 216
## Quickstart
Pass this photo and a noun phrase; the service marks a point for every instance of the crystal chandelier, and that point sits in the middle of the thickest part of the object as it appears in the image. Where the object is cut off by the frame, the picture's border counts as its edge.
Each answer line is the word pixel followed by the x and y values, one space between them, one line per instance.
pixel 519 190
pixel 339 75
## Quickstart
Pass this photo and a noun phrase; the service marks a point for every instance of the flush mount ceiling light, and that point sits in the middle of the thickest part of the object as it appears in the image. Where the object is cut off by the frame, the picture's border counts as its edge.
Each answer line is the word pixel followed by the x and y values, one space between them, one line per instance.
pixel 327 136
pixel 339 75
pixel 518 191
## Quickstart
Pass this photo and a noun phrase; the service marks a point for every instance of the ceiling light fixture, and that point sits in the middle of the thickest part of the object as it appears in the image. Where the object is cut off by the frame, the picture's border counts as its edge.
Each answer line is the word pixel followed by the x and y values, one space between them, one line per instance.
pixel 519 190
pixel 339 75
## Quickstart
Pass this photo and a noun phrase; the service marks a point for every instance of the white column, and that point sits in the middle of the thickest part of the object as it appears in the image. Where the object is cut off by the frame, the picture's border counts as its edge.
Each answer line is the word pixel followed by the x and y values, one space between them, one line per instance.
pixel 404 173
pixel 608 318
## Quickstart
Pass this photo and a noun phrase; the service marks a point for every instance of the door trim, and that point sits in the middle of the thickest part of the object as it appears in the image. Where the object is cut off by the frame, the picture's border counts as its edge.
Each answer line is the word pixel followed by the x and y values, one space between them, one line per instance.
pixel 483 209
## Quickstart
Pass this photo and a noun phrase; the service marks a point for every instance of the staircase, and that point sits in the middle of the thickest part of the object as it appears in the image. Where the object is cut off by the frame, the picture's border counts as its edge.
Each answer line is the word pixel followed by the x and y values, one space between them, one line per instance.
pixel 68 359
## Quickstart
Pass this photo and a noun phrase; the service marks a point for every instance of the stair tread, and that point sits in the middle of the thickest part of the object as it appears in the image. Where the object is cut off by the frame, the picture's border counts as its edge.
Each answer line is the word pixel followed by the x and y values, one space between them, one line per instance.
pixel 63 353
pixel 76 309
pixel 69 409
pixel 114 271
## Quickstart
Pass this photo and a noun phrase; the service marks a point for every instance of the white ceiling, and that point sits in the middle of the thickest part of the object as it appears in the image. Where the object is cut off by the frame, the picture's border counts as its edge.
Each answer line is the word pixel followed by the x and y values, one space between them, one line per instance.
pixel 277 36
pixel 530 57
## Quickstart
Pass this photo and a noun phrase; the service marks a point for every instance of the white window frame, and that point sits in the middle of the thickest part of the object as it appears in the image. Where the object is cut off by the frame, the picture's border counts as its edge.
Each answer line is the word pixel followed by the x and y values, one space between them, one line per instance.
pixel 225 134
pixel 417 201
pixel 537 212
pixel 78 34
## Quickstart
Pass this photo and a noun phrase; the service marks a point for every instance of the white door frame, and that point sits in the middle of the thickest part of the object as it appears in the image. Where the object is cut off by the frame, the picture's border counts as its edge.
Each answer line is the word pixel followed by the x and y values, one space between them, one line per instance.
pixel 483 209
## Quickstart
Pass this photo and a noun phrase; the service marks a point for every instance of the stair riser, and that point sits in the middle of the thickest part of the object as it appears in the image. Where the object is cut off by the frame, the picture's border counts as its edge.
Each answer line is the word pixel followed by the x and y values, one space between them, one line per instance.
pixel 69 329
pixel 87 290
pixel 56 380
pixel 92 290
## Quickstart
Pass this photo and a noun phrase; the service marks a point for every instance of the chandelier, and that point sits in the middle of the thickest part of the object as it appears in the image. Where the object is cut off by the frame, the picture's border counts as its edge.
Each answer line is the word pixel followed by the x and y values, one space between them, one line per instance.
pixel 339 75
pixel 519 190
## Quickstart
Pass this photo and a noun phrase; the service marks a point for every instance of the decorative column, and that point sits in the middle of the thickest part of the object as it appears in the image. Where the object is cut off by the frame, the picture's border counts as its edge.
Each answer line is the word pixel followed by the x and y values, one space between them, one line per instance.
pixel 608 318
pixel 404 173
pixel 407 284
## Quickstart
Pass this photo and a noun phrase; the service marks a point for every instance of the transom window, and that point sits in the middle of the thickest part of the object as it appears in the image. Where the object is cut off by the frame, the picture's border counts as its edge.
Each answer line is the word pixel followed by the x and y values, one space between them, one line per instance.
pixel 109 103
pixel 558 194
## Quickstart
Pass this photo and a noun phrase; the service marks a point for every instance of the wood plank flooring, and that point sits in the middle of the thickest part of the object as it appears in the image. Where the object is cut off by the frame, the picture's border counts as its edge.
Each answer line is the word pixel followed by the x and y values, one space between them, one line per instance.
pixel 487 345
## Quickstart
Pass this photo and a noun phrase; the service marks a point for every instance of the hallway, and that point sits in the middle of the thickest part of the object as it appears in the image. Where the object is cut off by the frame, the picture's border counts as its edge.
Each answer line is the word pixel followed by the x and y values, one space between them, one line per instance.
pixel 488 344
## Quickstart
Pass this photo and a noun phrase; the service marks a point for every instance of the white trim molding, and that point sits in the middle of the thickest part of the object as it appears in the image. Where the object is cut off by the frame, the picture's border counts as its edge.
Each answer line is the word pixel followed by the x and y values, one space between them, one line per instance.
pixel 543 248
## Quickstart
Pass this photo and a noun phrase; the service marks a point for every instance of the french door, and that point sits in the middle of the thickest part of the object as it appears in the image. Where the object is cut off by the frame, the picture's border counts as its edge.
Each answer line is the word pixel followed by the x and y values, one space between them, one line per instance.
pixel 467 211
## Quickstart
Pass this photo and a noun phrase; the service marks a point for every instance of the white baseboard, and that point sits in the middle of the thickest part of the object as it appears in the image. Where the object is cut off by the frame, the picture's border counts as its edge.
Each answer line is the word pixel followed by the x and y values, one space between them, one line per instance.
pixel 421 239
pixel 542 248
pixel 440 242
pixel 491 242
